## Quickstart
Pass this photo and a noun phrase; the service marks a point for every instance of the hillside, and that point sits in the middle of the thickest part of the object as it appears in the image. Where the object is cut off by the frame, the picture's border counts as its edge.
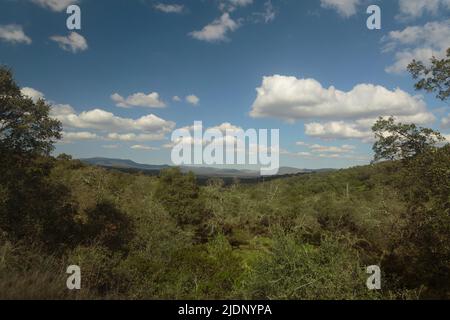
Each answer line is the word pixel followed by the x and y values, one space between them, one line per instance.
pixel 199 171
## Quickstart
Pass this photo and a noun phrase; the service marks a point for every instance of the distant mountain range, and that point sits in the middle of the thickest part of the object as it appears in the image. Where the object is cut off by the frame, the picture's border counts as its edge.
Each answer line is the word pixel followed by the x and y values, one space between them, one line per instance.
pixel 199 171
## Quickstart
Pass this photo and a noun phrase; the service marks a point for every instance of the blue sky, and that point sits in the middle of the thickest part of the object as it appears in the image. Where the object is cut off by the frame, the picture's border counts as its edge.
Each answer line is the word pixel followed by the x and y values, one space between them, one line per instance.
pixel 114 81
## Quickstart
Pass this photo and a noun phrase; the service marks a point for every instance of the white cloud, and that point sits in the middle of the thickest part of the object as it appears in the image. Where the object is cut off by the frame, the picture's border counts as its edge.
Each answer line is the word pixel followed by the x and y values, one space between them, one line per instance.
pixel 267 15
pixel 447 137
pixel 74 42
pixel 292 99
pixel 417 42
pixel 176 98
pixel 142 147
pixel 151 100
pixel 321 151
pixel 142 137
pixel 304 154
pixel 337 130
pixel 192 99
pixel 31 93
pixel 55 5
pixel 336 114
pixel 345 8
pixel 75 136
pixel 404 58
pixel 149 127
pixel 13 33
pixel 332 149
pixel 232 5
pixel 241 3
pixel 445 122
pixel 331 152
pixel 217 30
pixel 61 110
pixel 416 8
pixel 434 34
pixel 169 8
pixel 359 129
pixel 227 127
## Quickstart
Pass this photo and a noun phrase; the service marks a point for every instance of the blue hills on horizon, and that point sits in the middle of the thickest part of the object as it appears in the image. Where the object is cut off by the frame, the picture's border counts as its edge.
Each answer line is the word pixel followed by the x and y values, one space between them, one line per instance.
pixel 126 164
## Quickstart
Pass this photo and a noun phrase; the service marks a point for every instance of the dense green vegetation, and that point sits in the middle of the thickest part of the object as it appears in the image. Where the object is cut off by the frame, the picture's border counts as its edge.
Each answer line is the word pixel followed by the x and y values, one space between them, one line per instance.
pixel 167 237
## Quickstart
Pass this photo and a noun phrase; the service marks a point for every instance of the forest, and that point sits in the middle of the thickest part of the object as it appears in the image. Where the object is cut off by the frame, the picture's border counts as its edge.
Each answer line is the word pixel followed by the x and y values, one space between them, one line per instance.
pixel 168 237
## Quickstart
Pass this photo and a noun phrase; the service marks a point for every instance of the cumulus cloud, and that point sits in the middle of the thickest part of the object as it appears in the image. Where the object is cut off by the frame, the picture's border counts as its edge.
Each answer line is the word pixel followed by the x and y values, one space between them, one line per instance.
pixel 176 98
pixel 149 127
pixel 55 5
pixel 142 147
pixel 316 151
pixel 432 34
pixel 151 100
pixel 338 130
pixel 193 99
pixel 410 9
pixel 13 33
pixel 217 30
pixel 74 42
pixel 169 8
pixel 445 122
pixel 291 99
pixel 304 154
pixel 31 93
pixel 359 129
pixel 417 42
pixel 225 128
pixel 142 137
pixel 332 113
pixel 332 149
pixel 231 5
pixel 77 136
pixel 345 8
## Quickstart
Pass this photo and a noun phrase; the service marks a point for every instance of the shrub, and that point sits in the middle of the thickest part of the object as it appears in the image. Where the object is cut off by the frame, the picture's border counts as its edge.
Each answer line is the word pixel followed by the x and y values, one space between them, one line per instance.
pixel 292 270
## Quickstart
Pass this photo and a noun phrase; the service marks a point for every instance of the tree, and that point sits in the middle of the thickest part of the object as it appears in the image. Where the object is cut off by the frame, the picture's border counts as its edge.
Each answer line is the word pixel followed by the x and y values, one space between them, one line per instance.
pixel 396 141
pixel 421 253
pixel 25 125
pixel 435 78
pixel 179 194
pixel 34 208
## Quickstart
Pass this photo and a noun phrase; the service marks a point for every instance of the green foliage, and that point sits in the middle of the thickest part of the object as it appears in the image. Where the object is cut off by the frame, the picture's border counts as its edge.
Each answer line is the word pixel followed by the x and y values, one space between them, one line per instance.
pixel 25 126
pixel 129 245
pixel 179 194
pixel 209 271
pixel 295 270
pixel 107 226
pixel 34 208
pixel 395 141
pixel 28 272
pixel 98 265
pixel 422 253
pixel 435 78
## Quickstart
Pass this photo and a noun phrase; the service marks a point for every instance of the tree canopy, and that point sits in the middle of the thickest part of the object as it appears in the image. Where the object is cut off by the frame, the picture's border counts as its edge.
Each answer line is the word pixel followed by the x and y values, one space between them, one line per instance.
pixel 397 141
pixel 434 78
pixel 25 125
